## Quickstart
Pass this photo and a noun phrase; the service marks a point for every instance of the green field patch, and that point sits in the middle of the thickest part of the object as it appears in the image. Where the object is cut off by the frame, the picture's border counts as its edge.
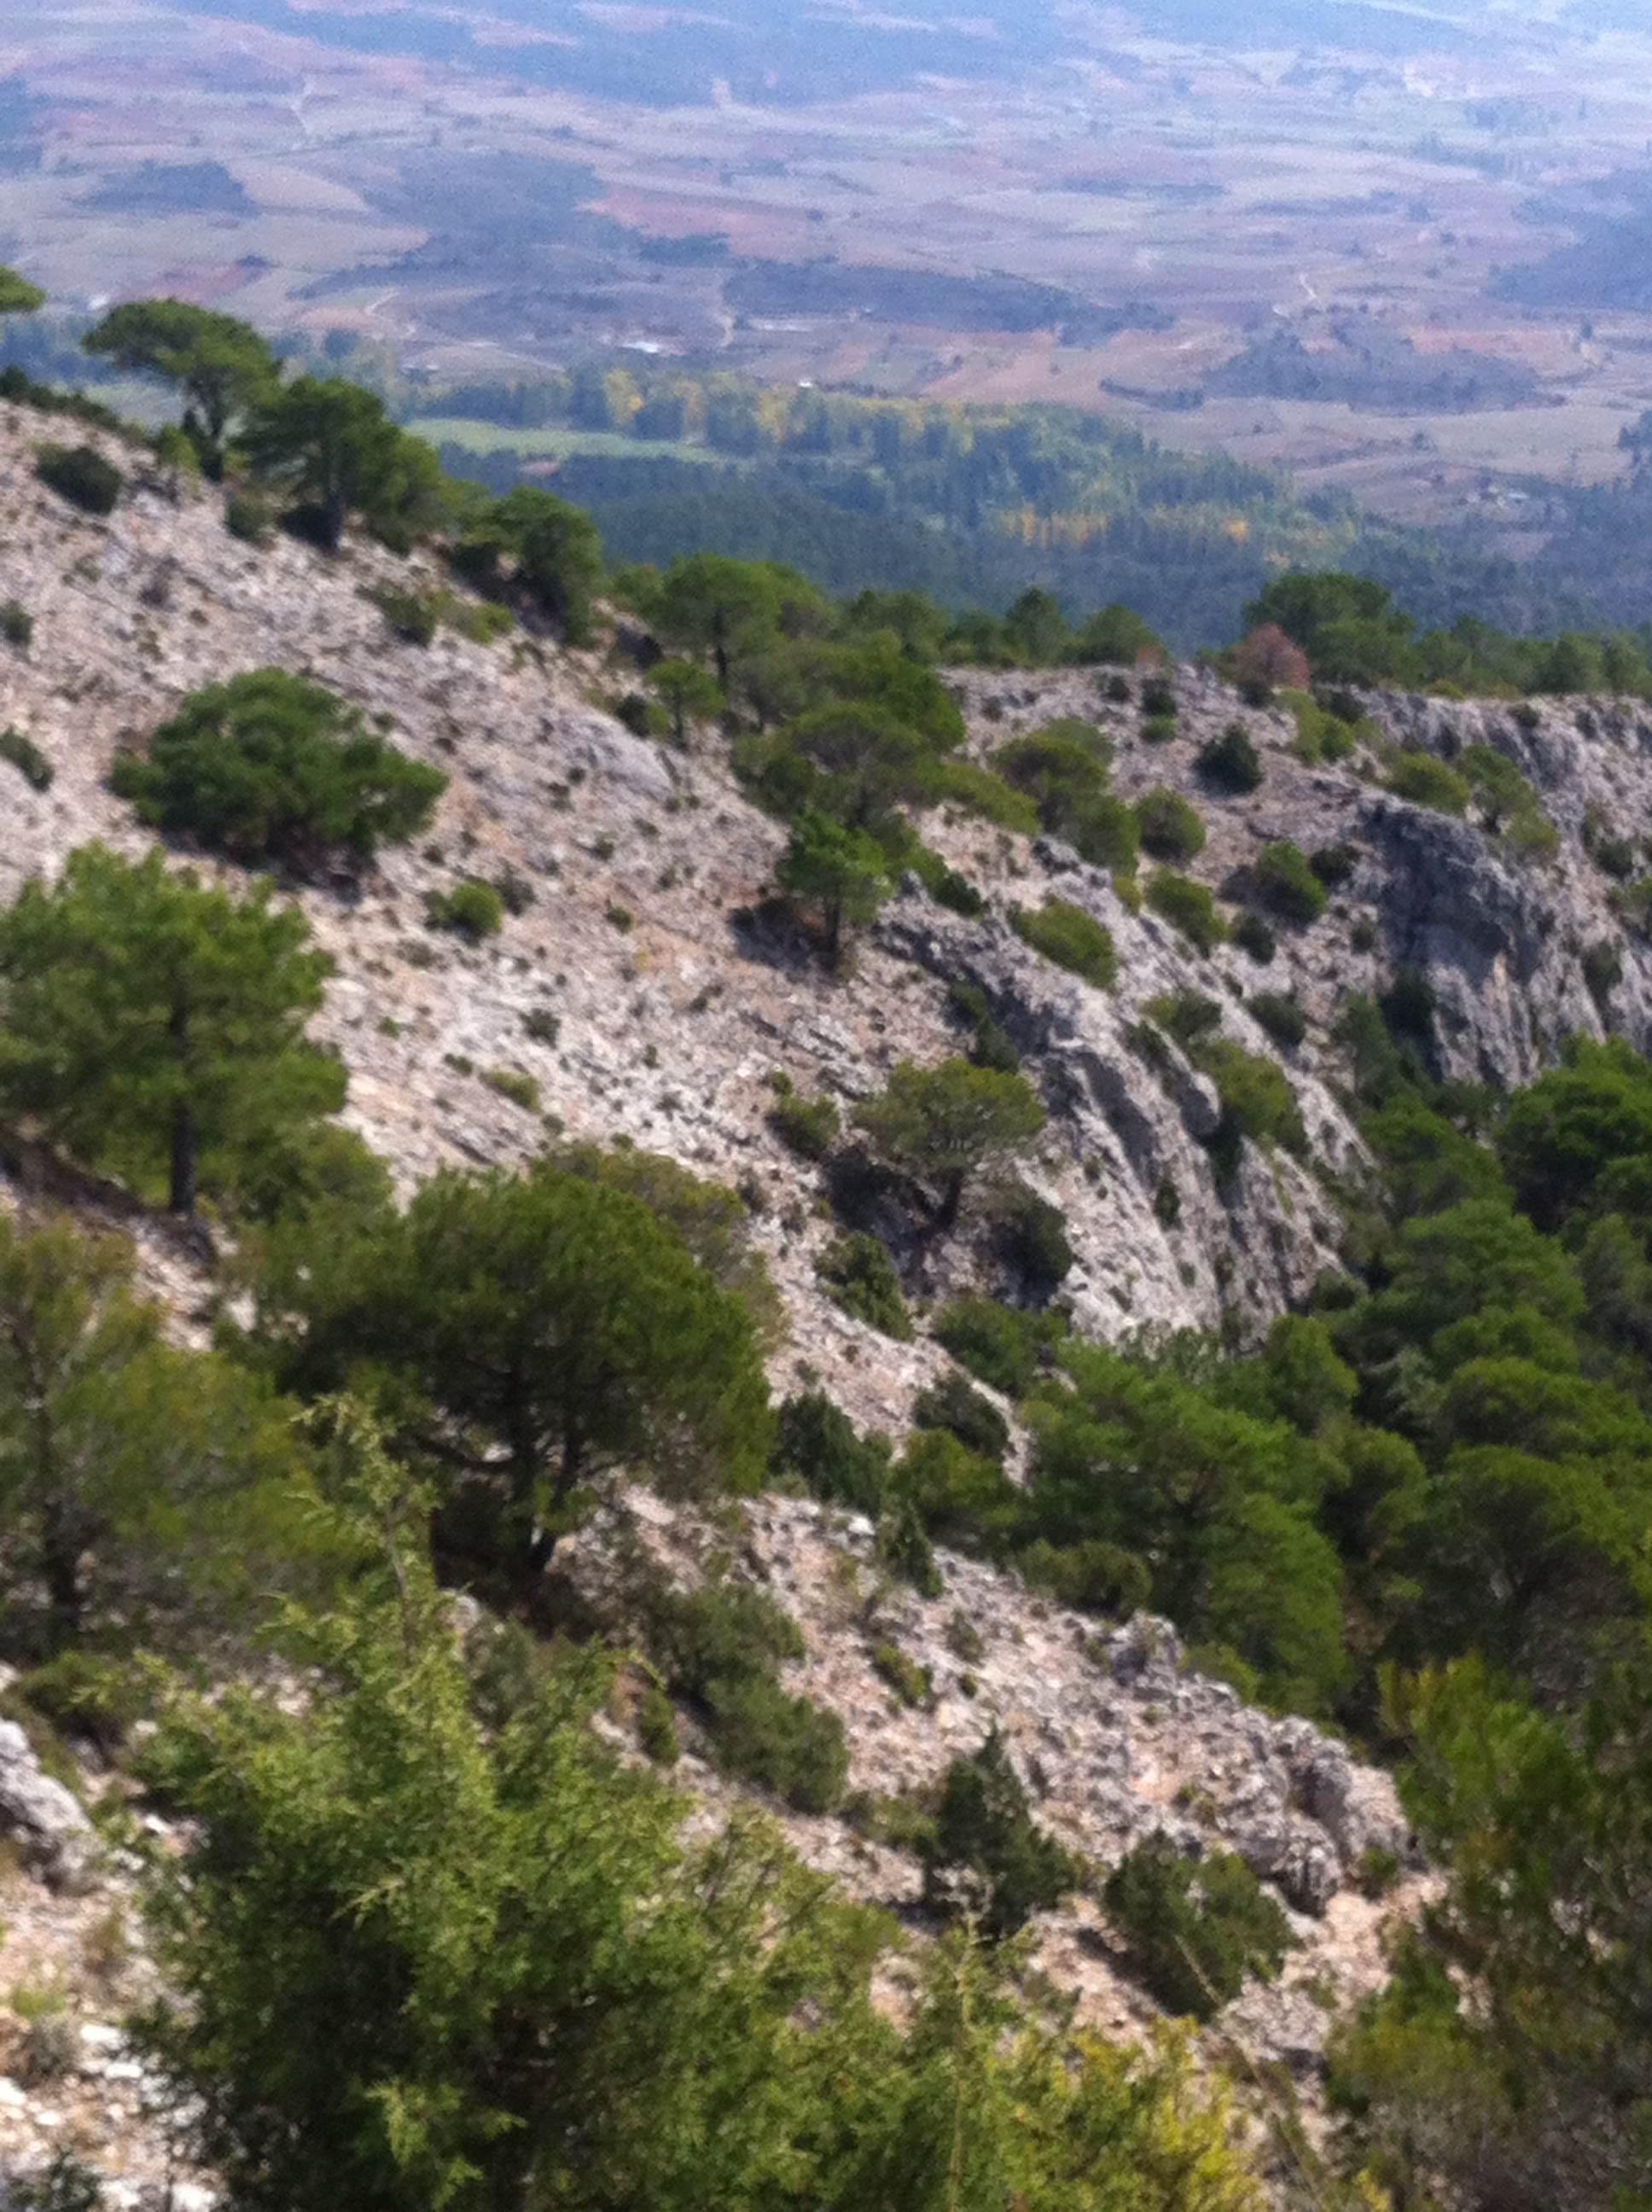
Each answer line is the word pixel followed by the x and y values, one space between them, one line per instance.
pixel 554 444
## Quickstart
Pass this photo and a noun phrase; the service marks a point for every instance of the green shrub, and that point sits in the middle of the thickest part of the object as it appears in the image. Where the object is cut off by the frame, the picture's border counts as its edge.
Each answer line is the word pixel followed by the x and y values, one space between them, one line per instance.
pixel 961 783
pixel 1286 882
pixel 1194 1929
pixel 82 476
pixel 26 757
pixel 1189 908
pixel 515 892
pixel 910 1682
pixel 1633 903
pixel 248 518
pixel 1614 856
pixel 656 1722
pixel 1063 768
pixel 1170 827
pixel 1074 730
pixel 904 1549
pixel 541 1025
pixel 1603 971
pixel 411 616
pixel 482 621
pixel 83 1695
pixel 954 1405
pixel 270 767
pixel 1031 1236
pixel 1159 697
pixel 944 884
pixel 1510 807
pixel 987 1858
pixel 643 716
pixel 1280 1016
pixel 808 1127
pixel 817 1444
pixel 1334 865
pixel 1257 1099
pixel 1321 736
pixel 898 1823
pixel 1253 936
pixel 860 1277
pixel 723 1629
pixel 1000 1344
pixel 1429 783
pixel 1072 937
pixel 470 909
pixel 16 623
pixel 1231 763
pixel 1103 830
pixel 511 1082
pixel 1092 1576
pixel 1158 729
pixel 1377 1871
pixel 1187 1016
pixel 991 1046
pixel 781 1743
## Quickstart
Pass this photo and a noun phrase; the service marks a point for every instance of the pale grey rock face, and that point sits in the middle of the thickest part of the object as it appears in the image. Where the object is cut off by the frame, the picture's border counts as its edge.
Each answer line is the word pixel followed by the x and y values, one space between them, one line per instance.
pixel 1136 1128
pixel 1116 1738
pixel 43 1818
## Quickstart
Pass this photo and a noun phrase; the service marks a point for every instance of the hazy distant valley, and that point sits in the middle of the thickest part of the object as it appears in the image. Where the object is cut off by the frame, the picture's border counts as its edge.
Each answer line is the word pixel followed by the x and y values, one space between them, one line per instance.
pixel 1402 252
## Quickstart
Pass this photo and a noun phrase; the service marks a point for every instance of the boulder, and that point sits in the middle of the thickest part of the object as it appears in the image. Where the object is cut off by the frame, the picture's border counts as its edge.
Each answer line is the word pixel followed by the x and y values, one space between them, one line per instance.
pixel 42 1817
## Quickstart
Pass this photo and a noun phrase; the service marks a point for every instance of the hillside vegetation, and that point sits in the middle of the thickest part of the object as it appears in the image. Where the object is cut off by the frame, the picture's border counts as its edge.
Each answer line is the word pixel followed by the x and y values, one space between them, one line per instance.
pixel 753 1380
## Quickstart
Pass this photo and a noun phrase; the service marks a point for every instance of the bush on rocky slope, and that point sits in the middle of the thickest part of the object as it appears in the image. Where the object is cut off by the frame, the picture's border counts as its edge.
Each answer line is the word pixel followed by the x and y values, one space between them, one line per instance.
pixel 1073 938
pixel 83 475
pixel 268 767
pixel 1195 1932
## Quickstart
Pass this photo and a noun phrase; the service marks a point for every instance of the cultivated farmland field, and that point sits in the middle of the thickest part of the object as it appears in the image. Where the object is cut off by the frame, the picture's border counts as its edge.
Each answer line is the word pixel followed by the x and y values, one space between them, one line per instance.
pixel 1402 251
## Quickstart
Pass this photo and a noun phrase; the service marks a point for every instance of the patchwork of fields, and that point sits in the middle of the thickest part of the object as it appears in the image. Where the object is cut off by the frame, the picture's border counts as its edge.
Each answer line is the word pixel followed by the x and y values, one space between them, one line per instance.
pixel 1290 232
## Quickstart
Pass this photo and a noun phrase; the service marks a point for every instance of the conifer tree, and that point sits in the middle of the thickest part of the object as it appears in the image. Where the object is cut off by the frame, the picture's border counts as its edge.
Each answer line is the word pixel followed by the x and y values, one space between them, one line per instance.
pixel 153 1025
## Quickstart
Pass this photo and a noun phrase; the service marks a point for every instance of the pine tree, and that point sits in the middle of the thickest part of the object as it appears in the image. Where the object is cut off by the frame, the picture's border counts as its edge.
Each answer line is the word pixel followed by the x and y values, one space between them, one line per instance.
pixel 155 1026
pixel 943 1124
pixel 839 870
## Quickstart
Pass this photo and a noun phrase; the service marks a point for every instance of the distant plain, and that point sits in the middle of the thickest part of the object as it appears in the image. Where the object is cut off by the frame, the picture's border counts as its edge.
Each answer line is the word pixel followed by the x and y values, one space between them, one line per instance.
pixel 1190 216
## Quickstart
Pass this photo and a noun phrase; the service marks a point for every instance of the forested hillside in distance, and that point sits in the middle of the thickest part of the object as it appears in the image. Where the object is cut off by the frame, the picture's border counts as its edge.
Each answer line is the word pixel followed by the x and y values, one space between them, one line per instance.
pixel 770 1365
pixel 971 505
pixel 975 504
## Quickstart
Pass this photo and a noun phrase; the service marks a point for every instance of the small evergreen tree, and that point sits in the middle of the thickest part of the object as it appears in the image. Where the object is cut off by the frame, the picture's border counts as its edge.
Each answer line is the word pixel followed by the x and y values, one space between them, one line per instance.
pixel 838 870
pixel 555 554
pixel 987 1857
pixel 156 1026
pixel 269 766
pixel 537 1331
pixel 943 1124
pixel 124 1461
pixel 1195 1930
pixel 337 453
pixel 687 693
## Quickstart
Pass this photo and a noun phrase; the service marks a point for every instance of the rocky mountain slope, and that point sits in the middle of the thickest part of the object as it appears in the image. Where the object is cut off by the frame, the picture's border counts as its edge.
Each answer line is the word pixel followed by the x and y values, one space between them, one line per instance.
pixel 647 996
